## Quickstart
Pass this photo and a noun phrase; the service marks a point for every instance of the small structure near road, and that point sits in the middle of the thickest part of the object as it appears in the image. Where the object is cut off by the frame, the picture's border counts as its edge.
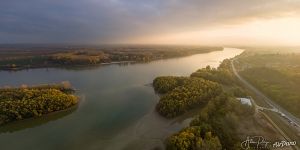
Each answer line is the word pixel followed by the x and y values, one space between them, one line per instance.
pixel 245 101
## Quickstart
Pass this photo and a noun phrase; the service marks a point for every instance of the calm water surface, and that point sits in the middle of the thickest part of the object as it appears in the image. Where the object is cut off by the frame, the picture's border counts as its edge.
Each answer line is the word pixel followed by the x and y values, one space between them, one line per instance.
pixel 116 110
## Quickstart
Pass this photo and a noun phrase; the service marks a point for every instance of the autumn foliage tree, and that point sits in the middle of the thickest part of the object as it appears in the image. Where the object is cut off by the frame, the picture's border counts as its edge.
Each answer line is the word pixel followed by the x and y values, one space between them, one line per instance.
pixel 21 103
pixel 183 94
pixel 193 138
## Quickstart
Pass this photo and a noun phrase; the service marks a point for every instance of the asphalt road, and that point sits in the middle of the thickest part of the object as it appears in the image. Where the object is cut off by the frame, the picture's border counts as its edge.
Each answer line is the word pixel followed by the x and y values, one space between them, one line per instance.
pixel 288 115
pixel 285 130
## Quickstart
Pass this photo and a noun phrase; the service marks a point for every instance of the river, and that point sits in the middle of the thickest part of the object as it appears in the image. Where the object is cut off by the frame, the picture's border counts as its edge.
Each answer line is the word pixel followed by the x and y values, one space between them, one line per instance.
pixel 116 109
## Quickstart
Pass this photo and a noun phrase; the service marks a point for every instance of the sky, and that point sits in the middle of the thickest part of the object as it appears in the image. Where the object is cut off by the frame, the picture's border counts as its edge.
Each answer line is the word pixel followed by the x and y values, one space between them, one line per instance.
pixel 184 22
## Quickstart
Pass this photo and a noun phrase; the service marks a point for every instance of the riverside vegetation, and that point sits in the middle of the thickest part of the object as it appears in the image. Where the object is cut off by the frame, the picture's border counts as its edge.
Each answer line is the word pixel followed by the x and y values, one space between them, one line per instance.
pixel 183 93
pixel 27 102
pixel 221 120
pixel 17 58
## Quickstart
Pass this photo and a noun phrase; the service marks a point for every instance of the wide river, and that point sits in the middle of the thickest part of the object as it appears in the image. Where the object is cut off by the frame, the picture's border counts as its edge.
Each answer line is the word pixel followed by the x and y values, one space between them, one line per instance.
pixel 116 109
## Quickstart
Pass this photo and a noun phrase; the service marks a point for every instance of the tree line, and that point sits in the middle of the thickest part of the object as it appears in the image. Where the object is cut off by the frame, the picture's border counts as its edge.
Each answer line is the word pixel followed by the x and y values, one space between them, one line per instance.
pixel 27 102
pixel 83 57
pixel 183 94
pixel 221 115
pixel 222 74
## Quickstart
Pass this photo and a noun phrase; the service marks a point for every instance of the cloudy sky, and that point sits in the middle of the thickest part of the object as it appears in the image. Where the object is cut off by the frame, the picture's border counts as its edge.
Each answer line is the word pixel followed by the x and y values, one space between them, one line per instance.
pixel 200 22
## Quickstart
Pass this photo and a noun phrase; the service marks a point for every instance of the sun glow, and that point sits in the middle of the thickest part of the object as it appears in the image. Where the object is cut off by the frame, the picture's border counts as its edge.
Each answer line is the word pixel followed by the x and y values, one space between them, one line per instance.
pixel 277 31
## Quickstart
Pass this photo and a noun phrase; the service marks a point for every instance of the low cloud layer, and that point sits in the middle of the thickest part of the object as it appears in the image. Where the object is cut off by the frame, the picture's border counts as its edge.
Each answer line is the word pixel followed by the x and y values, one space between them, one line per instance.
pixel 118 21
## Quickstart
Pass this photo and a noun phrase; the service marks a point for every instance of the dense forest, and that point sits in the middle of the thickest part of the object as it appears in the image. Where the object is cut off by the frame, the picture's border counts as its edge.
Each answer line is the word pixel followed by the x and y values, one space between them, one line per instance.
pixel 165 84
pixel 194 137
pixel 26 102
pixel 221 74
pixel 222 120
pixel 276 75
pixel 184 94
pixel 215 128
pixel 15 58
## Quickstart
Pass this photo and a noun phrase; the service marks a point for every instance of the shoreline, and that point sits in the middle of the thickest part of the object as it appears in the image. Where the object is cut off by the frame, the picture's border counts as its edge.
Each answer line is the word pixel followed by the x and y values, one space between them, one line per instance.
pixel 147 131
pixel 44 115
pixel 27 67
pixel 72 107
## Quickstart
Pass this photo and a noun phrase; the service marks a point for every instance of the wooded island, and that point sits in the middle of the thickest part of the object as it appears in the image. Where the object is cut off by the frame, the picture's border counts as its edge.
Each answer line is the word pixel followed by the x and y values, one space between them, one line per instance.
pixel 27 102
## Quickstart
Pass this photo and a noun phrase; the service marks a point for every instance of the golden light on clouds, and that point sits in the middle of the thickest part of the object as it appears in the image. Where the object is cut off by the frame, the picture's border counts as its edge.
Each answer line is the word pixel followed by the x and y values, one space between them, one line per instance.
pixel 275 31
pixel 200 22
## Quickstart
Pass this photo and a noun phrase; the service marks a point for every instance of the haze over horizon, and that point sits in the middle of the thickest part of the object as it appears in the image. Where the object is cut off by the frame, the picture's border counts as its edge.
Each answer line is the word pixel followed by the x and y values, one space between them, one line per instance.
pixel 190 22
